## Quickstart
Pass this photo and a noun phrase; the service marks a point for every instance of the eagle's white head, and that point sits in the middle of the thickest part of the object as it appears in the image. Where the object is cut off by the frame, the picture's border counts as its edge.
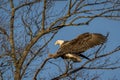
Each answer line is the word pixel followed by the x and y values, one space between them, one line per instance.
pixel 59 42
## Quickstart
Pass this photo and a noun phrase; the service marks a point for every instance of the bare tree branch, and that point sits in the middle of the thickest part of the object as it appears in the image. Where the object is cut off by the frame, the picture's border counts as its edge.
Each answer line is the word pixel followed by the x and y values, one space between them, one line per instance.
pixel 39 69
pixel 36 53
pixel 43 15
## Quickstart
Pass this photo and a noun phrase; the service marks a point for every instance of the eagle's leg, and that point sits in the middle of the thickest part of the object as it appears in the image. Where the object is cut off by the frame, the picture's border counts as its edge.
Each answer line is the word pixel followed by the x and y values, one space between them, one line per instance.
pixel 68 64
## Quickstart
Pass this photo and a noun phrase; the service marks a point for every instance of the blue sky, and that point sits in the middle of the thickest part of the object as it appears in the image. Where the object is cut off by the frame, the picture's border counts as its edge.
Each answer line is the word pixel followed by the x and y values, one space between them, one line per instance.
pixel 98 25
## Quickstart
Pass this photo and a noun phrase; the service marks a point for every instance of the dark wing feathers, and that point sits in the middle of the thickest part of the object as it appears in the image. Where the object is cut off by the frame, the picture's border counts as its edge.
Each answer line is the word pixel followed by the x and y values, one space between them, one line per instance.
pixel 82 43
pixel 91 41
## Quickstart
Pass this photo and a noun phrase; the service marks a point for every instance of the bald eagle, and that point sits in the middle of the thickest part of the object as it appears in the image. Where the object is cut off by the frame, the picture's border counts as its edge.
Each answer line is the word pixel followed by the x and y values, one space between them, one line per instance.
pixel 72 49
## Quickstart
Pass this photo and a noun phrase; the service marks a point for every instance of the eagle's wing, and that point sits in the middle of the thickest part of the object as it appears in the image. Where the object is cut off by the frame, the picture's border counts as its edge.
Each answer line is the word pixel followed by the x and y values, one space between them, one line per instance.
pixel 82 43
pixel 86 41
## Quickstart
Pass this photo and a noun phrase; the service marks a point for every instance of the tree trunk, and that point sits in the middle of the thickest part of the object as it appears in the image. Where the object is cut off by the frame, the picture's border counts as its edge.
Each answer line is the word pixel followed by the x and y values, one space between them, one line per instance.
pixel 17 74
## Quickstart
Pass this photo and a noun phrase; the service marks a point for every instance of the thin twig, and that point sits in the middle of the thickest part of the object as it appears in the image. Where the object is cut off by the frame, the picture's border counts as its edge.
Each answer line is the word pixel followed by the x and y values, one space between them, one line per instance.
pixel 39 69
